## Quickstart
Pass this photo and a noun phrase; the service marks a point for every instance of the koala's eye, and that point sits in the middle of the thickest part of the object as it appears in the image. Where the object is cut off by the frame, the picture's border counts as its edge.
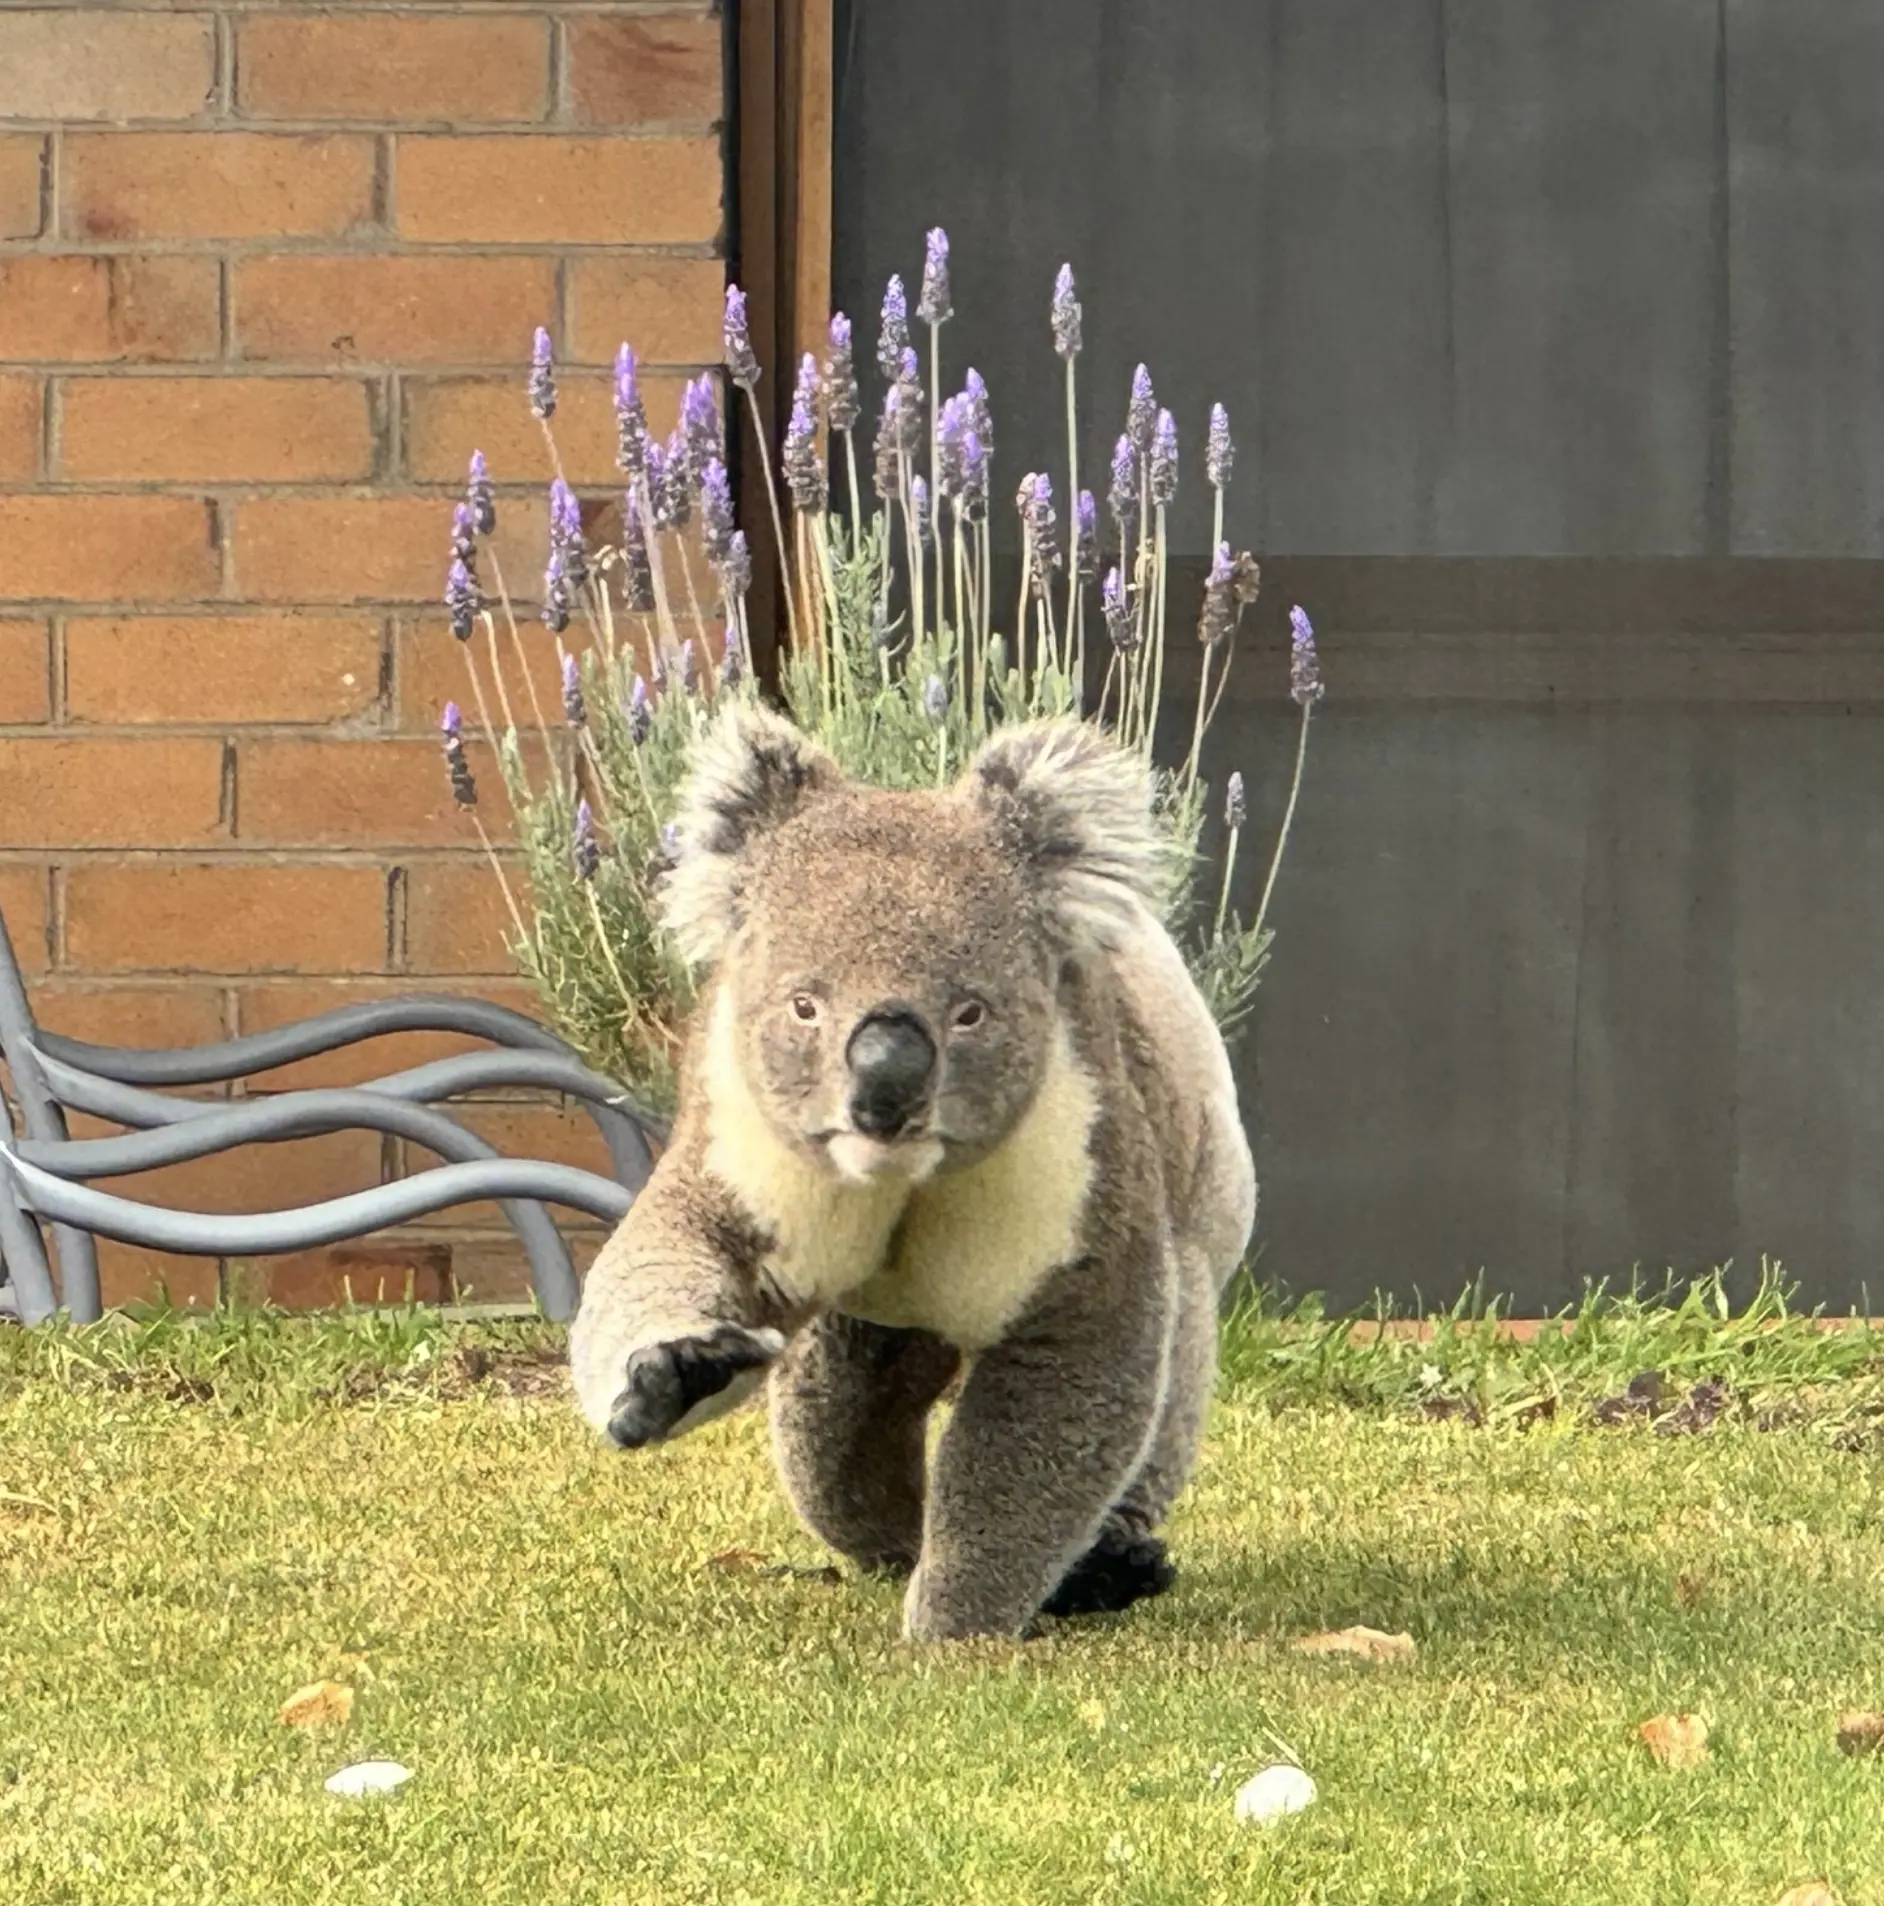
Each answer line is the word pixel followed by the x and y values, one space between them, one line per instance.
pixel 806 1008
pixel 966 1017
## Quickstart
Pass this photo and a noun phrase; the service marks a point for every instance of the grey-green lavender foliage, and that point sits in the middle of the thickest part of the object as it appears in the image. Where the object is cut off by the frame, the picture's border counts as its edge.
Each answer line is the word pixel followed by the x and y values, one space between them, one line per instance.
pixel 897 661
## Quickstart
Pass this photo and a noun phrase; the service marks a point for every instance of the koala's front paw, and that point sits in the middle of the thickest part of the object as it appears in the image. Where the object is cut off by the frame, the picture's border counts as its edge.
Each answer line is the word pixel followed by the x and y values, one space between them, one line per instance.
pixel 674 1387
pixel 1115 1572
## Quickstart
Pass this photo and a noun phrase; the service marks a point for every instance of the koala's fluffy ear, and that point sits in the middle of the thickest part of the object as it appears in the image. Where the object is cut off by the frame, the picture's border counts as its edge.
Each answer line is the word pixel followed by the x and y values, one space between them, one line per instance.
pixel 1074 808
pixel 749 772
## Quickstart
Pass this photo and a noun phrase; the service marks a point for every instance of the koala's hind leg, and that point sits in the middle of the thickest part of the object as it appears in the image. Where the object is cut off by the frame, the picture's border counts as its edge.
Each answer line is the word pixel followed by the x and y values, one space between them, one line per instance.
pixel 850 1405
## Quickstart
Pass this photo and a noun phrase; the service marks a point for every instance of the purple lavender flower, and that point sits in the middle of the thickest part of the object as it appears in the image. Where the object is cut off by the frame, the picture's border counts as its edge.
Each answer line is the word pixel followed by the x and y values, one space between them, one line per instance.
pixel 575 710
pixel 1035 501
pixel 842 406
pixel 1305 684
pixel 676 491
pixel 889 443
pixel 911 438
pixel 1066 315
pixel 736 571
pixel 555 594
pixel 732 664
pixel 1085 536
pixel 689 669
pixel 464 789
pixel 464 546
pixel 1219 451
pixel 1142 412
pixel 481 497
pixel 893 332
pixel 588 856
pixel 736 334
pixel 1118 612
pixel 566 537
pixel 798 459
pixel 1122 497
pixel 640 712
pixel 638 570
pixel 951 426
pixel 631 417
pixel 919 508
pixel 974 477
pixel 461 598
pixel 1220 608
pixel 716 511
pixel 1235 805
pixel 663 481
pixel 1164 459
pixel 542 378
pixel 934 305
pixel 700 425
pixel 980 412
pixel 935 699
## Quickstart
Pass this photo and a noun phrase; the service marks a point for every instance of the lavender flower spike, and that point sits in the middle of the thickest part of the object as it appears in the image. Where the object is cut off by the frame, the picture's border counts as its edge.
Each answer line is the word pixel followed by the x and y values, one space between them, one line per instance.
pixel 479 495
pixel 1219 451
pixel 1220 608
pixel 980 412
pixel 736 571
pixel 934 306
pixel 1142 412
pixel 461 598
pixel 700 425
pixel 575 710
pixel 974 477
pixel 542 378
pixel 1085 536
pixel 736 335
pixel 798 459
pixel 1066 315
pixel 1235 803
pixel 732 664
pixel 631 417
pixel 1305 684
pixel 716 511
pixel 1118 612
pixel 464 789
pixel 919 508
pixel 893 333
pixel 842 406
pixel 464 531
pixel 588 856
pixel 1122 497
pixel 640 713
pixel 951 426
pixel 555 594
pixel 638 577
pixel 1164 458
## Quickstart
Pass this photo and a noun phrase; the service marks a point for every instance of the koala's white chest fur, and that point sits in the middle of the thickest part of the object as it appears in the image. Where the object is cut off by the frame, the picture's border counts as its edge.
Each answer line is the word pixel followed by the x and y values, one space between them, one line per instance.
pixel 959 1254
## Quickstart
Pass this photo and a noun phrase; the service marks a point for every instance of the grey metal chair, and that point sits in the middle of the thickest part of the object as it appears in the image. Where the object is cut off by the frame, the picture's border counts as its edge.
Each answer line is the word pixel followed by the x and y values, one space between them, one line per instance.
pixel 43 1170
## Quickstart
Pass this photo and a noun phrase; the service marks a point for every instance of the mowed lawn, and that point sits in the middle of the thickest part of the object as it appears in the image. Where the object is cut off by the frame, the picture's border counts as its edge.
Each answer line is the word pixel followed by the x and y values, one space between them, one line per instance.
pixel 197 1520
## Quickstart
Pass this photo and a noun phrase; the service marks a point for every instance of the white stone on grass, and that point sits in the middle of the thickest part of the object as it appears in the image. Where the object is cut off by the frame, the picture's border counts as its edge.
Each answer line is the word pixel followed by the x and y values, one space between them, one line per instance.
pixel 1272 1793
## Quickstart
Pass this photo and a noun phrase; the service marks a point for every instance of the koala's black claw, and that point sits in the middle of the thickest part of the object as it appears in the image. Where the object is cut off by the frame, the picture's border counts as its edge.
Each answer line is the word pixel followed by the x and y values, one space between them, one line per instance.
pixel 1115 1572
pixel 667 1380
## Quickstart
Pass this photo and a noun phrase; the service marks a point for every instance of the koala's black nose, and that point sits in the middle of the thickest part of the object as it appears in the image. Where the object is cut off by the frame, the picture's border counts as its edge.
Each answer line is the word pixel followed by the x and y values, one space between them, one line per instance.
pixel 891 1060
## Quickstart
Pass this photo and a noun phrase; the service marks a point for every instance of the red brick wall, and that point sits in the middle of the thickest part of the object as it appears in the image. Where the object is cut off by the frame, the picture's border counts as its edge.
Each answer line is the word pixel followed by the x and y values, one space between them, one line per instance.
pixel 267 276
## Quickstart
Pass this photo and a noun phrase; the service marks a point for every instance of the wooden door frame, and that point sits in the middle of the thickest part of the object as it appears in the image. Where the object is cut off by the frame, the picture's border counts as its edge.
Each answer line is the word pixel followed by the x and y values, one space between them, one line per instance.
pixel 781 60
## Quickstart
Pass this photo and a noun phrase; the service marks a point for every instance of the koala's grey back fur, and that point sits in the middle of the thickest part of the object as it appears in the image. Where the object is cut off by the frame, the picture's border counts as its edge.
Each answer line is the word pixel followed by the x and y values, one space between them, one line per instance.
pixel 1056 1226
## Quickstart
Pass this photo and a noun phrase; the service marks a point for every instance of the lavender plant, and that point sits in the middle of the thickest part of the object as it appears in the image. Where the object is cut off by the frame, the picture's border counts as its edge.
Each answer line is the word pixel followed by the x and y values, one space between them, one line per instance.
pixel 897 660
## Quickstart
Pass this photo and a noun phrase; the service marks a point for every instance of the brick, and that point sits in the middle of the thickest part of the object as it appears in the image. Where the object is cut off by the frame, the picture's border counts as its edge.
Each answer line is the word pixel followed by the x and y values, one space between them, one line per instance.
pixel 456 919
pixel 22 171
pixel 159 1015
pixel 252 1178
pixel 263 1008
pixel 129 1276
pixel 25 671
pixel 642 69
pixel 533 189
pixel 393 69
pixel 60 791
pixel 313 309
pixel 118 185
pixel 178 916
pixel 26 906
pixel 669 309
pixel 90 63
pixel 379 793
pixel 374 1271
pixel 107 548
pixel 365 548
pixel 431 670
pixel 551 1133
pixel 215 429
pixel 449 417
pixel 67 308
pixel 22 406
pixel 300 668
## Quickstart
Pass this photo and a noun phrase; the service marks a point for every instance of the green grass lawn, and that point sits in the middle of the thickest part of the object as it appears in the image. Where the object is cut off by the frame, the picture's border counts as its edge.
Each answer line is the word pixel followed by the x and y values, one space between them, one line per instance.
pixel 196 1519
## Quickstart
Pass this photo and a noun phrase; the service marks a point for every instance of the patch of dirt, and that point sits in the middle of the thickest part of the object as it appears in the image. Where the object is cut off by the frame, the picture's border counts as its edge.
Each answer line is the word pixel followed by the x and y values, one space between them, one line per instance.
pixel 539 1371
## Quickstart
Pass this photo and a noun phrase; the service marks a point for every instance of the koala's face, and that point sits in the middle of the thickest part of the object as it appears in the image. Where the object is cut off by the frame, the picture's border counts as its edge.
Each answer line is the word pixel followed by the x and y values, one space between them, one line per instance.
pixel 892 987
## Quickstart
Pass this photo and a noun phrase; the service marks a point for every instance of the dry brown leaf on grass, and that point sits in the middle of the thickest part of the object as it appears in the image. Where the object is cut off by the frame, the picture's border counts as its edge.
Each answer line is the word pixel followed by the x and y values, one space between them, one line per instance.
pixel 736 1561
pixel 1676 1740
pixel 1690 1586
pixel 1861 1733
pixel 1812 1893
pixel 1369 1644
pixel 319 1704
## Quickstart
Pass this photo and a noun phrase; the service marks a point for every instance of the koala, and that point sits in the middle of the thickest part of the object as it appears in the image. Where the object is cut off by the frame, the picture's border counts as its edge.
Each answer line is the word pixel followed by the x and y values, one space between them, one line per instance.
pixel 952 1113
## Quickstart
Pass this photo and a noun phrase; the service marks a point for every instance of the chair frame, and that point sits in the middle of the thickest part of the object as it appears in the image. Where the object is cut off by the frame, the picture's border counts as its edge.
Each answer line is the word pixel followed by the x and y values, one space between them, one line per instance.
pixel 44 1171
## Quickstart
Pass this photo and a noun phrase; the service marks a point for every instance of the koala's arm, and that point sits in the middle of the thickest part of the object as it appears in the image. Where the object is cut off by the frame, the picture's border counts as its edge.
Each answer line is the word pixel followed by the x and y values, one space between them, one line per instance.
pixel 678 1323
pixel 1050 1428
